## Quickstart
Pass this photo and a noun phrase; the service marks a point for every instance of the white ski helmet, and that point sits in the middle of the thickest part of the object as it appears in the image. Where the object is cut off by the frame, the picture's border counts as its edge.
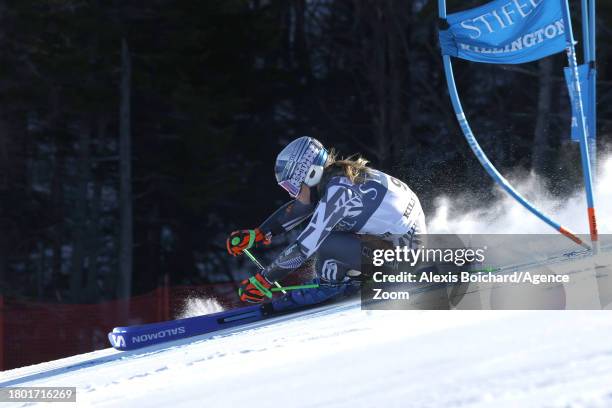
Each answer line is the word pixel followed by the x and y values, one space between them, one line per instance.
pixel 301 161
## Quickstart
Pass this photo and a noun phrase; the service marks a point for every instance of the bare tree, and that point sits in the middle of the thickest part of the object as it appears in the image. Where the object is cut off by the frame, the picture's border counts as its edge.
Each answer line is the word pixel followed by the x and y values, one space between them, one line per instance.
pixel 125 176
pixel 540 134
pixel 81 213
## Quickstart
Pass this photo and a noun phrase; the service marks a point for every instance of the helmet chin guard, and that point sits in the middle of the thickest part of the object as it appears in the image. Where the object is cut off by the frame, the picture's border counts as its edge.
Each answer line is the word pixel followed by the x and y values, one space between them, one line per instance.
pixel 301 161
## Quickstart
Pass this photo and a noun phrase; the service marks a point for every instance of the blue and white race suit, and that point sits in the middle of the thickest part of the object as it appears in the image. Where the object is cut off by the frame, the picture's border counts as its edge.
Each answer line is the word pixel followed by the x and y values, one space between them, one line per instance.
pixel 379 206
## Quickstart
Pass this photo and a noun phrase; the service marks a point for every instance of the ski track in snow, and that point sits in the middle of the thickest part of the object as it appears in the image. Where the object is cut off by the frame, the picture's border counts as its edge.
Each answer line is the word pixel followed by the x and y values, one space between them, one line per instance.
pixel 346 357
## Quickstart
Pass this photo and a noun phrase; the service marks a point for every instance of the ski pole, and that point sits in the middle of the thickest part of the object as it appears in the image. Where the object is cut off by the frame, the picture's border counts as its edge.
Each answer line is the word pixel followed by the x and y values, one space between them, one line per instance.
pixel 252 258
pixel 260 266
pixel 296 287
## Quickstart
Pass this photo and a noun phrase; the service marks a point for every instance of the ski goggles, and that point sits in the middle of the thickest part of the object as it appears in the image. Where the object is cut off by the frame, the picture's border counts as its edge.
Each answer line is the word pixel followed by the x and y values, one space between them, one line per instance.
pixel 291 188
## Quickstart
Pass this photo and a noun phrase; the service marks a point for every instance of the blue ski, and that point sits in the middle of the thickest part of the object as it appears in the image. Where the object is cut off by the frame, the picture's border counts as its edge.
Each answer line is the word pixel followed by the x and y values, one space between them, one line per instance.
pixel 135 337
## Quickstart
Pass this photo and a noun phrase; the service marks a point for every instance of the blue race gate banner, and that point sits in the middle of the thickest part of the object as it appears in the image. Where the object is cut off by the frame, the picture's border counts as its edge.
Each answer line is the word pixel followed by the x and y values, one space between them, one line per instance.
pixel 506 32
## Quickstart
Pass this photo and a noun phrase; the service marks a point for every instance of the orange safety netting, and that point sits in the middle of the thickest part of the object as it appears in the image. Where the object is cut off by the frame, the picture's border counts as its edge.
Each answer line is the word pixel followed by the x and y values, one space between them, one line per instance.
pixel 33 332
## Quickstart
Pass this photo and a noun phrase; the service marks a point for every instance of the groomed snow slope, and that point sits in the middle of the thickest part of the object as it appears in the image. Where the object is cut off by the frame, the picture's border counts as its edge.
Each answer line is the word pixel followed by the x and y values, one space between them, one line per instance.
pixel 346 357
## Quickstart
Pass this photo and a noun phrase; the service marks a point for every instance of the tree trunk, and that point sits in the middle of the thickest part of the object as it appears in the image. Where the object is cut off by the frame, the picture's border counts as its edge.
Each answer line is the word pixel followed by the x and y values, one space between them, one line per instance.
pixel 57 200
pixel 95 241
pixel 398 128
pixel 154 258
pixel 540 136
pixel 379 79
pixel 300 46
pixel 5 169
pixel 79 250
pixel 125 178
pixel 57 196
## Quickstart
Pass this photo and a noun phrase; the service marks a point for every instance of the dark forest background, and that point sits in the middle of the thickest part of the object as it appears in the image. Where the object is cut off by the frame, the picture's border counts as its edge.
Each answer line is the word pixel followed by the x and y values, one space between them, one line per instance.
pixel 135 135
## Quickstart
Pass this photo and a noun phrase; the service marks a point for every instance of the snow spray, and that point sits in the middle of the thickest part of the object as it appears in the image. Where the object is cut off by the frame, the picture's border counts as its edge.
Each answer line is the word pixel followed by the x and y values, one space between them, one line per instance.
pixel 195 306
pixel 506 216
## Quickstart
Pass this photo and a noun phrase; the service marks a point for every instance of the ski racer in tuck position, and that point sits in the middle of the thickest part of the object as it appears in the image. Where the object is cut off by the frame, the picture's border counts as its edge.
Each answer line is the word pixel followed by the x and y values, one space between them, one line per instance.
pixel 348 204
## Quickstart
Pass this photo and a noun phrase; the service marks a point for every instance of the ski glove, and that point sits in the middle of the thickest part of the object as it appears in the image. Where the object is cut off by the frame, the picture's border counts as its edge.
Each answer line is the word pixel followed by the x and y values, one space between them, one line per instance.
pixel 238 241
pixel 255 289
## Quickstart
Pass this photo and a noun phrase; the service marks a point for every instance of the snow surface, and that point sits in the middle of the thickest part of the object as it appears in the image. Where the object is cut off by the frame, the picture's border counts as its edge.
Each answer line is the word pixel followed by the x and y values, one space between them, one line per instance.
pixel 342 356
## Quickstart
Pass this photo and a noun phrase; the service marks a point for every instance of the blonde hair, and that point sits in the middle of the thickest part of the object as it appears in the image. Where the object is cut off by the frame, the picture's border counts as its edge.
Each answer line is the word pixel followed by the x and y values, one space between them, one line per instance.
pixel 354 167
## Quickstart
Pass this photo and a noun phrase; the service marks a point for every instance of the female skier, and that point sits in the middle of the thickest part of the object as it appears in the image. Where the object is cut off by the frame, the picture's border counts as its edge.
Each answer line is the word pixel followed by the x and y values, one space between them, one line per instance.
pixel 348 203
